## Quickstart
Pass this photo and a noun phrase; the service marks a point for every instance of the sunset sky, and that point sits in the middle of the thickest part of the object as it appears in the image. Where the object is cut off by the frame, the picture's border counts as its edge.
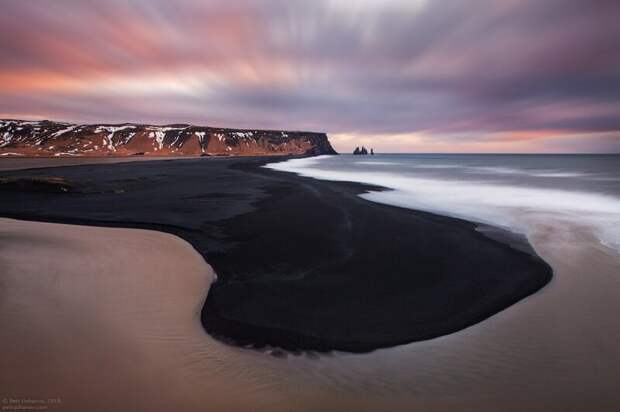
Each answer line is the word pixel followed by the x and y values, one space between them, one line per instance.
pixel 397 75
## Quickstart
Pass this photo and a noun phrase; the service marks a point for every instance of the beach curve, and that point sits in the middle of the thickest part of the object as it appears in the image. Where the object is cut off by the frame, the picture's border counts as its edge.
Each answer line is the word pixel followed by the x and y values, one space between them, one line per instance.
pixel 318 267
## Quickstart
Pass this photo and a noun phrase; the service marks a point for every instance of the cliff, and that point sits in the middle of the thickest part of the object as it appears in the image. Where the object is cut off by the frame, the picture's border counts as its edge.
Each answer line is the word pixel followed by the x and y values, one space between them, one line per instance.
pixel 47 138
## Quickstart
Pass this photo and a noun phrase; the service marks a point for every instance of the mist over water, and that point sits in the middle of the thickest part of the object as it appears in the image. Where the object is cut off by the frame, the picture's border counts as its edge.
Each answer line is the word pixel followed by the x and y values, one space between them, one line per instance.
pixel 517 192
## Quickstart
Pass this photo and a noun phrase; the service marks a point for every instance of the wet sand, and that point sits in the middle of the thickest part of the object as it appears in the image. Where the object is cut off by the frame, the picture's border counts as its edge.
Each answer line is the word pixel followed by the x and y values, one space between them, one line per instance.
pixel 92 314
pixel 108 319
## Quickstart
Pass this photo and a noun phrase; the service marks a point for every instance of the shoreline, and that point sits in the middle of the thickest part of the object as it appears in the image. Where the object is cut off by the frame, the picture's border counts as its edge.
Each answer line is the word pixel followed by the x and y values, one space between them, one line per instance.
pixel 10 163
pixel 266 287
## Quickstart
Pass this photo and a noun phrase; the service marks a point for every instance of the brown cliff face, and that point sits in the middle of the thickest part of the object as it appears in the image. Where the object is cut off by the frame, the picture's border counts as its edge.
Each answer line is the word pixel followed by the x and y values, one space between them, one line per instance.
pixel 46 138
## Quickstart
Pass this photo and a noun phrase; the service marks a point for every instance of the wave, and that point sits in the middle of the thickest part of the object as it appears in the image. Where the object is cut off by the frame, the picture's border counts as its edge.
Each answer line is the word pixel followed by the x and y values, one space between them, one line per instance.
pixel 486 170
pixel 532 172
pixel 438 166
pixel 379 163
pixel 516 208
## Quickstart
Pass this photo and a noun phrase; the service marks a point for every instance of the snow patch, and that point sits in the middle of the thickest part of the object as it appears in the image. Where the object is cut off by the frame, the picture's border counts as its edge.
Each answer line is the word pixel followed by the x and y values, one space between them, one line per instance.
pixel 6 139
pixel 176 139
pixel 201 138
pixel 129 137
pixel 66 154
pixel 107 140
pixel 63 131
pixel 160 132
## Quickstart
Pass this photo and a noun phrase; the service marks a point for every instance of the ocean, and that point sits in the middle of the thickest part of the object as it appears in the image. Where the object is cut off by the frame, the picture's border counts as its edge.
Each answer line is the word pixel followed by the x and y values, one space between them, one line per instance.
pixel 516 192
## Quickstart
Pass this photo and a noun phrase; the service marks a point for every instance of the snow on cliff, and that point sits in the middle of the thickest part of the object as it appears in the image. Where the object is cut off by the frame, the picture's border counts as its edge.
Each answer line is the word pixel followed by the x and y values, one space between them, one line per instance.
pixel 46 138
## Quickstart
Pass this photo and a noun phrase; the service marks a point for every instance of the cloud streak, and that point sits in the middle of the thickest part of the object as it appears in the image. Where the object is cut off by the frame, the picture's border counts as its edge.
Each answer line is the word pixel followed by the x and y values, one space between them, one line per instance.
pixel 474 74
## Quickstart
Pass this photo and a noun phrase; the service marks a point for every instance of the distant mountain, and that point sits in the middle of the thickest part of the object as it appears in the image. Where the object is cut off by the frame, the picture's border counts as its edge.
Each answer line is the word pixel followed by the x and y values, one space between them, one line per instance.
pixel 47 138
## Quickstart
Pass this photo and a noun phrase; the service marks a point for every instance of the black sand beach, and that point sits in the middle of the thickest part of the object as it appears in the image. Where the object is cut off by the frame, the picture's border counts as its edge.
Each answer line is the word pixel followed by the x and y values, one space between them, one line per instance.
pixel 301 263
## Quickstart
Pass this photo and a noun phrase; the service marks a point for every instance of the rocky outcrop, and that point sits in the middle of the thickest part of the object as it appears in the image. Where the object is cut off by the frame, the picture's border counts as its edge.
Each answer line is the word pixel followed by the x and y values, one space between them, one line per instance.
pixel 47 138
pixel 362 151
pixel 42 184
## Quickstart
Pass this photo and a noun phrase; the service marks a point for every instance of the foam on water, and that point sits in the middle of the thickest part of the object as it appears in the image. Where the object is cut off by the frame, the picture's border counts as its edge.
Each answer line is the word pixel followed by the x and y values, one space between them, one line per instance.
pixel 518 207
pixel 512 171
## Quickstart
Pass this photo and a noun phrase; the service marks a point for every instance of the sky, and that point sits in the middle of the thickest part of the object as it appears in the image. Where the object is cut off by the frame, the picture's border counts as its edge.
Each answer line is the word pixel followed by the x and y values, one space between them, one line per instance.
pixel 397 75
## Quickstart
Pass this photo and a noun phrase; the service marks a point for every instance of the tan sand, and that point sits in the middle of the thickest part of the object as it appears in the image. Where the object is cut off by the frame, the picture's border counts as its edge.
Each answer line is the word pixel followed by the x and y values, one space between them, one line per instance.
pixel 104 319
pixel 107 319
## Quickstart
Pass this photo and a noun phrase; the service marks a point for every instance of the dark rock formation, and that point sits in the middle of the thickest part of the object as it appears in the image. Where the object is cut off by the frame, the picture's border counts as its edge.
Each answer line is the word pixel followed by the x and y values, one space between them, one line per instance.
pixel 42 184
pixel 361 151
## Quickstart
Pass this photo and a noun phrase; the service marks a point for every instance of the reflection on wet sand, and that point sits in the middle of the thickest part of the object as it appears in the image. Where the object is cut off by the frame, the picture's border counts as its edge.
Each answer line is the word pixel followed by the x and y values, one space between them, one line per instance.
pixel 108 319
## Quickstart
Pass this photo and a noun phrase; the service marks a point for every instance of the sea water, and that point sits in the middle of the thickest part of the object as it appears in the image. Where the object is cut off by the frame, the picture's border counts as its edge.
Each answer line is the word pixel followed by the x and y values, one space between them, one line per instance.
pixel 516 192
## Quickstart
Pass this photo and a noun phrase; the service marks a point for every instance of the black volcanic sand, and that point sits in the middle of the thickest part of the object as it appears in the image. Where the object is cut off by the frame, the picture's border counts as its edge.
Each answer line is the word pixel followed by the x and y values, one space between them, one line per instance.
pixel 301 263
